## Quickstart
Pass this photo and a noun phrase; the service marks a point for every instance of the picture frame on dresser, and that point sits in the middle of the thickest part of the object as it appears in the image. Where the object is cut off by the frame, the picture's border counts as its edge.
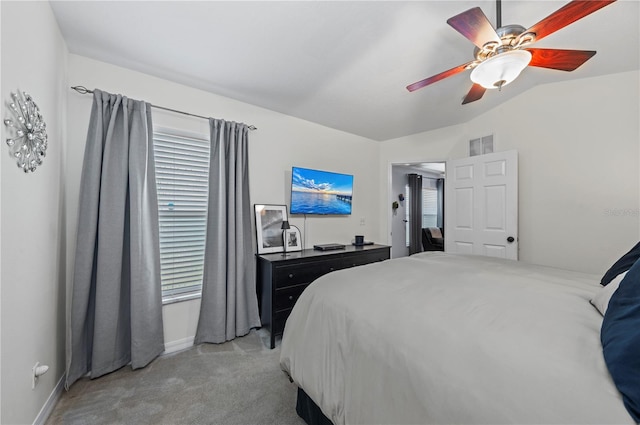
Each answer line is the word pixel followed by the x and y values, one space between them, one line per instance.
pixel 269 236
pixel 294 239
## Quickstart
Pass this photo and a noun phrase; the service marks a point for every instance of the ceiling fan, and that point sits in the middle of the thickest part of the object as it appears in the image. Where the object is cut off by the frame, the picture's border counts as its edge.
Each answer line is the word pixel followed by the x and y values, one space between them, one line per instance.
pixel 501 54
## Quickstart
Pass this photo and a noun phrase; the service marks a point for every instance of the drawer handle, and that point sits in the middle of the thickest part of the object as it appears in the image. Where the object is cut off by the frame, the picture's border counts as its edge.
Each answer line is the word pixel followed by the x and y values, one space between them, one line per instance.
pixel 290 275
pixel 290 297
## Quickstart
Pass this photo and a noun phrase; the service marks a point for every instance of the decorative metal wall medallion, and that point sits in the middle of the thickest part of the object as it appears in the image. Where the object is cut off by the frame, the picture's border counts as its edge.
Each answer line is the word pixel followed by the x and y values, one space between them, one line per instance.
pixel 28 141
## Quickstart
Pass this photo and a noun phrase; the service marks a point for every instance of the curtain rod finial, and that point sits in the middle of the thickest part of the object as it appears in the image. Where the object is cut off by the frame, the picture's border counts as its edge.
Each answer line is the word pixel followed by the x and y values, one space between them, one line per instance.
pixel 81 89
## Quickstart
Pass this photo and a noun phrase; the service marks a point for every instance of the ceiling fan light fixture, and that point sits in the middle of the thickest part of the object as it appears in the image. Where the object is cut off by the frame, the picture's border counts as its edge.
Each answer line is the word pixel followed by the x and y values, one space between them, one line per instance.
pixel 501 69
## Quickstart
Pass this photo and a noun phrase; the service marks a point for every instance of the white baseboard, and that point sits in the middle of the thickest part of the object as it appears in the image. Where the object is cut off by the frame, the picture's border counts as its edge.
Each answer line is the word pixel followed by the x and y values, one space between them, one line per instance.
pixel 50 403
pixel 178 345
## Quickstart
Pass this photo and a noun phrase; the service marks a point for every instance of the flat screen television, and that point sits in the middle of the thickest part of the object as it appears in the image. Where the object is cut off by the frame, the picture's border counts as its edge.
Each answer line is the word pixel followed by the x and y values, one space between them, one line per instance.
pixel 320 192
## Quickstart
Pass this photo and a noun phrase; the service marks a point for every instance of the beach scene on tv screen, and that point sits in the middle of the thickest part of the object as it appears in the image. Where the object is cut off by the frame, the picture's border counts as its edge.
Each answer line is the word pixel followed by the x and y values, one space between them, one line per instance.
pixel 320 192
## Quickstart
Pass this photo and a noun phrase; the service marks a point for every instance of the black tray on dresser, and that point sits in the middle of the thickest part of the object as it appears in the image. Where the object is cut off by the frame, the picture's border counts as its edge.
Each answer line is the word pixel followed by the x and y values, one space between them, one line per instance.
pixel 281 279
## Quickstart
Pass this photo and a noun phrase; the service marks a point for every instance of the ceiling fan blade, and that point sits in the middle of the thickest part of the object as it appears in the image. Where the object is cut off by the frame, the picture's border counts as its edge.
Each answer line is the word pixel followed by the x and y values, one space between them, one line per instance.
pixel 435 78
pixel 563 60
pixel 476 93
pixel 568 14
pixel 475 26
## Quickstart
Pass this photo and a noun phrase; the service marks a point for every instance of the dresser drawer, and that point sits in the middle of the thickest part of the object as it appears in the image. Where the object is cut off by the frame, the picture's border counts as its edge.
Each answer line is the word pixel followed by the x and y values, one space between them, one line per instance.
pixel 374 257
pixel 302 273
pixel 359 260
pixel 287 297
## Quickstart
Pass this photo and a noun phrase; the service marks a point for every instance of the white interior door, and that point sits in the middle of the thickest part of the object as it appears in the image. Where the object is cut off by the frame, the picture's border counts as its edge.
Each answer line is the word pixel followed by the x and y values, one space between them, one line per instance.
pixel 481 198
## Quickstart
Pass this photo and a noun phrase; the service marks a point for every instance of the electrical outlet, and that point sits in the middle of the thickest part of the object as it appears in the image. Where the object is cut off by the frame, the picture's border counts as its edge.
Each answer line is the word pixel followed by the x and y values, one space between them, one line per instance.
pixel 362 221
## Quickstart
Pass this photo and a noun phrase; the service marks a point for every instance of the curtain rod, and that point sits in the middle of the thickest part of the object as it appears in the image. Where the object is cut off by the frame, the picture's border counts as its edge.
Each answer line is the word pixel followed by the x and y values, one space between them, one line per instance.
pixel 84 90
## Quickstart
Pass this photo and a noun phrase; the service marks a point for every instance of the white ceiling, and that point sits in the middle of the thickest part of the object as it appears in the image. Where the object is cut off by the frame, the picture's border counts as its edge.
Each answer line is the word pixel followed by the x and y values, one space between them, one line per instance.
pixel 342 64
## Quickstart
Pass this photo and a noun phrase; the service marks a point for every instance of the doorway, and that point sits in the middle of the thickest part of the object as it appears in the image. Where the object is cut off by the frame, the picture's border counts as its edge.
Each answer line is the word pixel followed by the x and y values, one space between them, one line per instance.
pixel 431 207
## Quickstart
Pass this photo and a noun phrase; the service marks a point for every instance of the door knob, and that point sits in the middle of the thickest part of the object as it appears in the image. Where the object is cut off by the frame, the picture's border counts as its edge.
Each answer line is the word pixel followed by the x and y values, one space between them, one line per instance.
pixel 510 239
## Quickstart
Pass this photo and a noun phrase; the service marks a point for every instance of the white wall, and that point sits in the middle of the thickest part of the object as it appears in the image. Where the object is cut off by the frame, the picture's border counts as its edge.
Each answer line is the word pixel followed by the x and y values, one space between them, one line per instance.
pixel 280 142
pixel 578 144
pixel 34 59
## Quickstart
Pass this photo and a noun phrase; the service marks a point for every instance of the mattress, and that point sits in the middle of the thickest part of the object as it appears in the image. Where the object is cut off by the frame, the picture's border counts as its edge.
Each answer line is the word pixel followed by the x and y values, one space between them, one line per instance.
pixel 439 338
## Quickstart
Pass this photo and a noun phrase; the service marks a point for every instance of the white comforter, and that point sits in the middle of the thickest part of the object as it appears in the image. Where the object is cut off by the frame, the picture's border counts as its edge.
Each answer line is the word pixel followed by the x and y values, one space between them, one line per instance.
pixel 441 339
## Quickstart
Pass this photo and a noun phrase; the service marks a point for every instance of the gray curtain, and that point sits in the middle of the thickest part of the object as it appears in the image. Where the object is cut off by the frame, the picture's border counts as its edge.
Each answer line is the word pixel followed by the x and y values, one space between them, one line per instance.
pixel 415 213
pixel 440 186
pixel 116 306
pixel 229 305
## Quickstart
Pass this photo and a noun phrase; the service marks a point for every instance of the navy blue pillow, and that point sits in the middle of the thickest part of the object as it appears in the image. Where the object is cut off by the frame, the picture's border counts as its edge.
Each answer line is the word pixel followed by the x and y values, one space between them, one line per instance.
pixel 622 265
pixel 620 336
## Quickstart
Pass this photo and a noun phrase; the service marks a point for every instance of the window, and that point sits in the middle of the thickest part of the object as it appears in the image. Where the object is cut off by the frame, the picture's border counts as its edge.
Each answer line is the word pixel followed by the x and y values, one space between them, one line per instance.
pixel 429 207
pixel 182 174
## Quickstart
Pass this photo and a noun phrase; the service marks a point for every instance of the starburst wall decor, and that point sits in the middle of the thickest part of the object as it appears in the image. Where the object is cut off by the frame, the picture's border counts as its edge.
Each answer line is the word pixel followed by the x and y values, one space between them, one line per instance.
pixel 28 143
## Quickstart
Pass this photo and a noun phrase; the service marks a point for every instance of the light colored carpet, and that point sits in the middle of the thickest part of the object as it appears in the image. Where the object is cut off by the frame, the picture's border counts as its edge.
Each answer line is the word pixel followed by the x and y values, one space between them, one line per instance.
pixel 239 382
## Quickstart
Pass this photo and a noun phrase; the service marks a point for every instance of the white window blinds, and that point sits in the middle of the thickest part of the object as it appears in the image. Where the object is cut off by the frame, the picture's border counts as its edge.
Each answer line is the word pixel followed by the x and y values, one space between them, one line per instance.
pixel 182 174
pixel 429 207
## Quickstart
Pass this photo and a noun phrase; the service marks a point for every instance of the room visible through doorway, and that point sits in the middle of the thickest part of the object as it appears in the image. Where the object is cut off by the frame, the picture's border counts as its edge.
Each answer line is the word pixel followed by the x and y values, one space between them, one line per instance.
pixel 429 211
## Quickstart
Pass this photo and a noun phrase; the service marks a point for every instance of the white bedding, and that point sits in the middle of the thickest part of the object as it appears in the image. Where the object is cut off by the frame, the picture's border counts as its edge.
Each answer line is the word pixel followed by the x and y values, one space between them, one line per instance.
pixel 440 339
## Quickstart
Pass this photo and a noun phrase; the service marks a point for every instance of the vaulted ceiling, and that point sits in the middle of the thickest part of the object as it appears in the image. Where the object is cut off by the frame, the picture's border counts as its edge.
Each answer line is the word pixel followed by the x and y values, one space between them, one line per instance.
pixel 342 64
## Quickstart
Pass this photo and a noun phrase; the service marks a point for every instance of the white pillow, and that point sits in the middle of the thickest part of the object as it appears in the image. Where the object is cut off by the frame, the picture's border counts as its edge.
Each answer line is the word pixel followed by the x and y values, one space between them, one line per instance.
pixel 601 299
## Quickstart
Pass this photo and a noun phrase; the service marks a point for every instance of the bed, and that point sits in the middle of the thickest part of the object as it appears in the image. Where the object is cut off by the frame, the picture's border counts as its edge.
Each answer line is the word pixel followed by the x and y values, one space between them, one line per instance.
pixel 438 338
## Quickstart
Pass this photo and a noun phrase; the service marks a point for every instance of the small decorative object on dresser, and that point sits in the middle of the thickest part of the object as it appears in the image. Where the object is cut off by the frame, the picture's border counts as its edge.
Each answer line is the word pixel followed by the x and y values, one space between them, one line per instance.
pixel 293 239
pixel 281 280
pixel 269 220
pixel 285 226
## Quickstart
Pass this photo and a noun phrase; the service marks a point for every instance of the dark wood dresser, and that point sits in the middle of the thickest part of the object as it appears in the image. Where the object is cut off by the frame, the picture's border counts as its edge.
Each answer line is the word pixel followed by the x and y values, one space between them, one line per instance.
pixel 281 279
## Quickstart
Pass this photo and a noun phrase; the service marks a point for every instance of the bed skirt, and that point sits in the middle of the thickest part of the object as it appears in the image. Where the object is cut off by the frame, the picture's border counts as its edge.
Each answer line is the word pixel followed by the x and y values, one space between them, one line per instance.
pixel 309 411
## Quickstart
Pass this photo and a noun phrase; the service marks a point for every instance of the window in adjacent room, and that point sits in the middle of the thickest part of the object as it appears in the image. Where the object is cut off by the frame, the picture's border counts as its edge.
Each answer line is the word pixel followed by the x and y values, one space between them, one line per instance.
pixel 429 207
pixel 182 174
